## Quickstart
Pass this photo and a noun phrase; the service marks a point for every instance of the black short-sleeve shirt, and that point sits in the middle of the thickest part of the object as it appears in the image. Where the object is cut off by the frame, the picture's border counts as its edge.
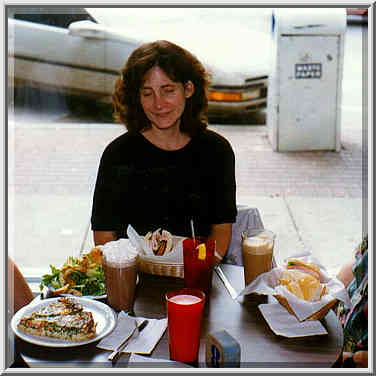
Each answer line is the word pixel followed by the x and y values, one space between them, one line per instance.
pixel 149 188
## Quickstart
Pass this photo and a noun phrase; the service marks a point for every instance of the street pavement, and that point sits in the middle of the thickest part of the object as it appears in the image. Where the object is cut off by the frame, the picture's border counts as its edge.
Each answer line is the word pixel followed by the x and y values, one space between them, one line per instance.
pixel 313 200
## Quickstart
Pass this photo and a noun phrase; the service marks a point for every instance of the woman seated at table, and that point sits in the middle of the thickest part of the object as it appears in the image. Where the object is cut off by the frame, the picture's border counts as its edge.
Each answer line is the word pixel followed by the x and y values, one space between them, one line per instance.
pixel 168 168
pixel 354 276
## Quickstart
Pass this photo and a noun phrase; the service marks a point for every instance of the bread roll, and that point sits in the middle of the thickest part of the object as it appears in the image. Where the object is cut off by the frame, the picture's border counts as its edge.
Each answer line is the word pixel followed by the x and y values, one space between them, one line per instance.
pixel 295 288
pixel 303 285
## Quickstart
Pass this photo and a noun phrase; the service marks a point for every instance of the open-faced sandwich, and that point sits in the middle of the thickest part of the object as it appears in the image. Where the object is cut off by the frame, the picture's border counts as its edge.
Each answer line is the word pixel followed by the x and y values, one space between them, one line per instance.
pixel 159 242
pixel 303 280
pixel 64 319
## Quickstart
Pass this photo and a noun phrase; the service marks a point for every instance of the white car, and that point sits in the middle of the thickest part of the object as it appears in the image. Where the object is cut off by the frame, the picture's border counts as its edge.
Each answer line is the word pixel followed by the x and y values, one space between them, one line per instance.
pixel 82 53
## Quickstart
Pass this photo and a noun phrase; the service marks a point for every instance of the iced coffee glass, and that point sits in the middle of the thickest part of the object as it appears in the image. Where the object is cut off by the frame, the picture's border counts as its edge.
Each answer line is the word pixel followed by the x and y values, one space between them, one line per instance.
pixel 120 270
pixel 257 252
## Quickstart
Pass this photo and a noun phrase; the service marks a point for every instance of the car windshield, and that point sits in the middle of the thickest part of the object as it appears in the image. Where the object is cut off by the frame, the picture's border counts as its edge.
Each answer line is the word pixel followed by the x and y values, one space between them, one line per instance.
pixel 252 18
pixel 58 17
pixel 204 31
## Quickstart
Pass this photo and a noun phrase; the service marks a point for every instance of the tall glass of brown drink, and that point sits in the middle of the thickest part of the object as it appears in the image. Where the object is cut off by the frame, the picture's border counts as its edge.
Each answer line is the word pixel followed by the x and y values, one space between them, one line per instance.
pixel 257 252
pixel 120 274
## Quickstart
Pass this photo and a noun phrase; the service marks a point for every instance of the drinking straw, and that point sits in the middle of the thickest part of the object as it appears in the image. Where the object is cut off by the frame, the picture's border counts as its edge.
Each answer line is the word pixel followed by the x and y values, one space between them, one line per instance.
pixel 193 232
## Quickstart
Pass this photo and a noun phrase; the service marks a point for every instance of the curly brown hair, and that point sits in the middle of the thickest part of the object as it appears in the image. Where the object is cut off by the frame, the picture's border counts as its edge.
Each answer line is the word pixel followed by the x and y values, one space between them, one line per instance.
pixel 180 66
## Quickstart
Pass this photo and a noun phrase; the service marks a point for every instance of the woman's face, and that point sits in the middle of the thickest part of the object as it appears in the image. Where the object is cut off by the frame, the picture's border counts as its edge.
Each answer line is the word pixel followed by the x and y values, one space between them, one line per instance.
pixel 162 99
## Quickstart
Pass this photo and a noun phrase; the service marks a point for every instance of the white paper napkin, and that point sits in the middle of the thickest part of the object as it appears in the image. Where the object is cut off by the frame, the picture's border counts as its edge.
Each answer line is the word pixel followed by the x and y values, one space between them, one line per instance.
pixel 144 343
pixel 124 328
pixel 148 338
pixel 287 325
pixel 135 239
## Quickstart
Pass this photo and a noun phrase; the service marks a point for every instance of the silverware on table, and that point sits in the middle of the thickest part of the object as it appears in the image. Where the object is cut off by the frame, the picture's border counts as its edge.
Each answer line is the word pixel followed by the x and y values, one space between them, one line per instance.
pixel 226 282
pixel 135 334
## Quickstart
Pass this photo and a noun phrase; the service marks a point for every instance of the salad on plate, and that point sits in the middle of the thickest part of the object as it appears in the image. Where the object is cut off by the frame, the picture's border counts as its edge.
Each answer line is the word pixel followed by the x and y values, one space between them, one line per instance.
pixel 79 276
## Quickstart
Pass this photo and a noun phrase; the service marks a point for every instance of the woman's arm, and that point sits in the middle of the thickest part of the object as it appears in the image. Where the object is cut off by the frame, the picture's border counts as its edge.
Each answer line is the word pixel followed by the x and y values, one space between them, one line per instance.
pixel 103 237
pixel 222 235
pixel 21 291
pixel 346 275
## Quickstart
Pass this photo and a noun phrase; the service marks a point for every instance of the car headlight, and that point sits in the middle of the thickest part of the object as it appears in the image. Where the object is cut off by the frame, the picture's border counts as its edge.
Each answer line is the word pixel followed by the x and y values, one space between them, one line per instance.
pixel 222 96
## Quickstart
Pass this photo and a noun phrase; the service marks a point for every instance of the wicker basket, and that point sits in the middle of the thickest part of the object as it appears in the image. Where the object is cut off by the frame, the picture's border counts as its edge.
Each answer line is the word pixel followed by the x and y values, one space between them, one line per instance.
pixel 167 269
pixel 315 316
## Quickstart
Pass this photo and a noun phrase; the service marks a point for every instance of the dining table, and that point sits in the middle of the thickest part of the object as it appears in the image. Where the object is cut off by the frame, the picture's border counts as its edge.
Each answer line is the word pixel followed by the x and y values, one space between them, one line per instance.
pixel 241 318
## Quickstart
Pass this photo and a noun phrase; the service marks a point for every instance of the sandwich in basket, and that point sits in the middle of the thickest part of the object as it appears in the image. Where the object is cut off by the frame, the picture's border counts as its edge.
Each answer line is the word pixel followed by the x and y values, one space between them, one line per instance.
pixel 303 280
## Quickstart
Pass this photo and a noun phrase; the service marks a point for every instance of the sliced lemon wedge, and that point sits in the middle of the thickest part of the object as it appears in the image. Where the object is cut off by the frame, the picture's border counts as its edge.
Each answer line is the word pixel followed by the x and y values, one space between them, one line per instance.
pixel 201 251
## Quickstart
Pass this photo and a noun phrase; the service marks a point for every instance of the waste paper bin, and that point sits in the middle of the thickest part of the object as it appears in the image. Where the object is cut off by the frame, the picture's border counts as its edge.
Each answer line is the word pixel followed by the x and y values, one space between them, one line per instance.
pixel 305 83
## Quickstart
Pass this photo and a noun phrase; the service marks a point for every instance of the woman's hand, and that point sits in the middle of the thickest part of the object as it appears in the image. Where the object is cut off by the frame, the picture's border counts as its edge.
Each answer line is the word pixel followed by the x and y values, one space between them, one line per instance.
pixel 360 358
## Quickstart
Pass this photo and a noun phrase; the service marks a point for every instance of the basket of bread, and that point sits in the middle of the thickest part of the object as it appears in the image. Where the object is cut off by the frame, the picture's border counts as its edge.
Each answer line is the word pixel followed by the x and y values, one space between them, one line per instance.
pixel 302 286
pixel 304 281
pixel 160 252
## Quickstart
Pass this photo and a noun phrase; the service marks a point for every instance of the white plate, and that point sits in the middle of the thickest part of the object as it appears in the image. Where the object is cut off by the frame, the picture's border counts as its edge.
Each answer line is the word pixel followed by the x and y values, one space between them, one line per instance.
pixel 103 315
pixel 95 297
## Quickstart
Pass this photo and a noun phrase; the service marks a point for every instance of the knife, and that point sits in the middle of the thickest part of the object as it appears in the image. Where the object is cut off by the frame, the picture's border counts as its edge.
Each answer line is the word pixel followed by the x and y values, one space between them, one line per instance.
pixel 226 282
pixel 120 348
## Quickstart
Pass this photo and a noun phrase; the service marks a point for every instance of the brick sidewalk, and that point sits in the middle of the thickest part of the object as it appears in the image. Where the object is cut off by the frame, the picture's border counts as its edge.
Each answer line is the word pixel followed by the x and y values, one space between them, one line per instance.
pixel 63 158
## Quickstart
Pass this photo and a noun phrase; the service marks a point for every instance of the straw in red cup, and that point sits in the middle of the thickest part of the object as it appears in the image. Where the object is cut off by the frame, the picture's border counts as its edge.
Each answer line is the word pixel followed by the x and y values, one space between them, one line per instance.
pixel 184 313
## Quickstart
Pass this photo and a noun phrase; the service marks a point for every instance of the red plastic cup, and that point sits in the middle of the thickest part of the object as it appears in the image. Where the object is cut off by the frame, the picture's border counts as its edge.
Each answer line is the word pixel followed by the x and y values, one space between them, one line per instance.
pixel 184 314
pixel 197 272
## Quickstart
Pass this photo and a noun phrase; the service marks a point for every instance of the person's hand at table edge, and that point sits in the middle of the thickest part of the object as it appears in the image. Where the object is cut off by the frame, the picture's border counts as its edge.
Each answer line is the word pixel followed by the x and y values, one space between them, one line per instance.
pixel 359 359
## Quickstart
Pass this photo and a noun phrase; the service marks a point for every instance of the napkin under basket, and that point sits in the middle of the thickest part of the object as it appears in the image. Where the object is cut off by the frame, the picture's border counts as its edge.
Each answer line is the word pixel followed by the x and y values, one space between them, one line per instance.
pixel 318 315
